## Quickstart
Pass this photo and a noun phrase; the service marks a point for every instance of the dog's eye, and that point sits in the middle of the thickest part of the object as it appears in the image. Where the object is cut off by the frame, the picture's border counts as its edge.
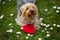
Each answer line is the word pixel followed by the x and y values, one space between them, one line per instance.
pixel 26 8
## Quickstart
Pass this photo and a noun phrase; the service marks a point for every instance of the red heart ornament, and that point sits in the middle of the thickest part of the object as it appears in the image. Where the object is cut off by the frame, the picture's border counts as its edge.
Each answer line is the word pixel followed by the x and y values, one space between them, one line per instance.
pixel 29 28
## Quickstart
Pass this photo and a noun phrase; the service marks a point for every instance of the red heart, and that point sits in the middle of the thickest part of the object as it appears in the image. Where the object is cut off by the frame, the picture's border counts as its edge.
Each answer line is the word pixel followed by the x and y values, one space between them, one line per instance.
pixel 29 28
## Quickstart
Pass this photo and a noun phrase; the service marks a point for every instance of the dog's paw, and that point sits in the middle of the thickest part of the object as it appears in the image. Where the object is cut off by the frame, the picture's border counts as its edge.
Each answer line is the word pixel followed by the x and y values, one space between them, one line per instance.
pixel 17 21
pixel 37 27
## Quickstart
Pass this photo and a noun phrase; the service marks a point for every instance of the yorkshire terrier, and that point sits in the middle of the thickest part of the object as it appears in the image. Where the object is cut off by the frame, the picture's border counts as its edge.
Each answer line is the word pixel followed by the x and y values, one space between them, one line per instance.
pixel 28 14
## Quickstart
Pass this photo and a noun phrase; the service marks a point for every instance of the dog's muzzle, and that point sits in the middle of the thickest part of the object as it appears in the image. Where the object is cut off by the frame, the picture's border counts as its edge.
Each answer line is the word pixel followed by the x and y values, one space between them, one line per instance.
pixel 31 14
pixel 31 11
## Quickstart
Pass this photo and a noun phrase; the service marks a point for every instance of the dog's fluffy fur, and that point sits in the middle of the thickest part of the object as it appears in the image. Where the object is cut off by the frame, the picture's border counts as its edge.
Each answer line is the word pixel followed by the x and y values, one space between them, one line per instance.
pixel 28 13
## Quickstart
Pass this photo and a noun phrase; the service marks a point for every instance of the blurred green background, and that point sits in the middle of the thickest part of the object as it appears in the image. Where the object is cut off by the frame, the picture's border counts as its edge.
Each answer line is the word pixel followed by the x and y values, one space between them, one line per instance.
pixel 48 10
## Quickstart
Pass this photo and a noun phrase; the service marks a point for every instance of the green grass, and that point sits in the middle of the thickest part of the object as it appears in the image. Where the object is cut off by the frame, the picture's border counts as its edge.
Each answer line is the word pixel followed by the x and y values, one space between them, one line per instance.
pixel 50 17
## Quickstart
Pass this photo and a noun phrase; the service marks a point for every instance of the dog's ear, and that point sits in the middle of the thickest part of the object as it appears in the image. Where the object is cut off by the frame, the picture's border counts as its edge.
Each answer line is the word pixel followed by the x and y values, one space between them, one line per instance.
pixel 20 12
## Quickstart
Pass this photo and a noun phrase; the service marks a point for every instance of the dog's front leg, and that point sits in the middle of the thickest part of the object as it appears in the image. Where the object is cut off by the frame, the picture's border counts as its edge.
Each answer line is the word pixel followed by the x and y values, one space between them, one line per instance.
pixel 36 24
pixel 19 22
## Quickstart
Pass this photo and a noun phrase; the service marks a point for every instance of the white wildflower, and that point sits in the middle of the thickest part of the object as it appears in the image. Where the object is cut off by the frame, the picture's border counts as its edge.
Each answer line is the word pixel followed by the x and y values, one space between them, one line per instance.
pixel 58 25
pixel 10 24
pixel 11 14
pixel 58 7
pixel 51 28
pixel 17 36
pixel 54 24
pixel 41 19
pixel 47 32
pixel 41 24
pixel 57 11
pixel 3 2
pixel 48 35
pixel 39 38
pixel 27 37
pixel 44 24
pixel 54 7
pixel 42 30
pixel 1 16
pixel 21 27
pixel 47 25
pixel 28 34
pixel 10 30
pixel 31 35
pixel 18 32
pixel 45 28
pixel 46 9
pixel 9 0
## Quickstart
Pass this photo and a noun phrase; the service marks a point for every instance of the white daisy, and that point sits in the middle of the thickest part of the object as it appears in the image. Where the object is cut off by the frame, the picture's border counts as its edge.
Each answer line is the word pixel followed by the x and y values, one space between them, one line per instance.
pixel 42 30
pixel 21 27
pixel 47 32
pixel 48 35
pixel 54 7
pixel 54 24
pixel 58 25
pixel 44 24
pixel 47 25
pixel 27 37
pixel 45 28
pixel 28 34
pixel 51 28
pixel 57 11
pixel 10 30
pixel 41 24
pixel 41 19
pixel 58 7
pixel 11 14
pixel 3 2
pixel 9 0
pixel 17 36
pixel 46 9
pixel 39 38
pixel 10 24
pixel 18 32
pixel 31 35
pixel 1 16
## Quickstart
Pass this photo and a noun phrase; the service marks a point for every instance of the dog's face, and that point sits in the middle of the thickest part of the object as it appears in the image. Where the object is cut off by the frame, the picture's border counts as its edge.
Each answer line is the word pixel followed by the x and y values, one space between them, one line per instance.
pixel 28 11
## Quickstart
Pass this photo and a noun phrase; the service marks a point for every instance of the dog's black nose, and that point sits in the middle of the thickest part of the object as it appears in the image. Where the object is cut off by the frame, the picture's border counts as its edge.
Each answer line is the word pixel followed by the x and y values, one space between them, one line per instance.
pixel 31 11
